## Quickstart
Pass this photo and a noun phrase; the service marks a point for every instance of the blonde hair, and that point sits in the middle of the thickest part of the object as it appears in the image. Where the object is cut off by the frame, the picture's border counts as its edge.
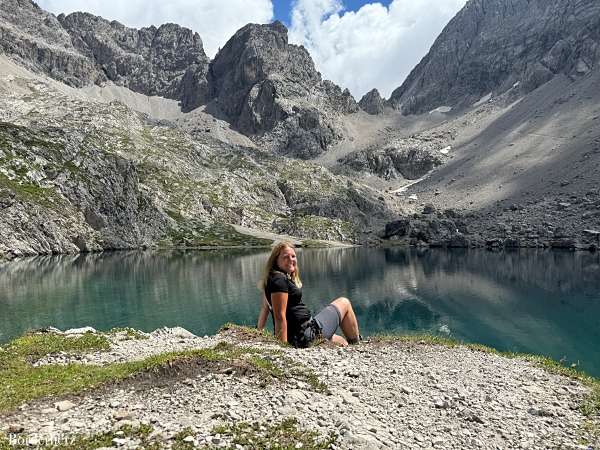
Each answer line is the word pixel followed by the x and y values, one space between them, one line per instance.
pixel 271 265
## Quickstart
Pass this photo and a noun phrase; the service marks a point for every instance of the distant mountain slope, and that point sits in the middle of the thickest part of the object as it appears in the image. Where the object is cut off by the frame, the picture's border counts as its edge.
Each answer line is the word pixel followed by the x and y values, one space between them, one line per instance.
pixel 77 174
pixel 35 39
pixel 82 49
pixel 492 44
pixel 263 86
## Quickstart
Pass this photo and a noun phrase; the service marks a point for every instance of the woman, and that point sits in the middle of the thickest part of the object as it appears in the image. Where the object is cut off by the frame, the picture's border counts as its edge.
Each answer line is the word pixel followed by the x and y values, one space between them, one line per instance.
pixel 282 295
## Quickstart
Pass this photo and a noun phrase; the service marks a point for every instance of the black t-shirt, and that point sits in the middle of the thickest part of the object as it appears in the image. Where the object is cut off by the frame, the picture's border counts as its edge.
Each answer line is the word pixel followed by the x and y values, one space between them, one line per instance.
pixel 296 313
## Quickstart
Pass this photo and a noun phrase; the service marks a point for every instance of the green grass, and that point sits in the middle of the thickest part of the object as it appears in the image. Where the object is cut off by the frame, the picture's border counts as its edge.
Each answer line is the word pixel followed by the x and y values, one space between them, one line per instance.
pixel 20 382
pixel 291 368
pixel 178 440
pixel 130 333
pixel 25 190
pixel 4 443
pixel 311 243
pixel 284 435
pixel 589 407
pixel 196 235
pixel 253 333
pixel 36 345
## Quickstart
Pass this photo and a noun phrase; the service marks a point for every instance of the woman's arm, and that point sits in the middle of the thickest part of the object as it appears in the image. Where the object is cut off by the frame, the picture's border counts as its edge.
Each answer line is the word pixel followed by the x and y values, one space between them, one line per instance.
pixel 279 301
pixel 264 312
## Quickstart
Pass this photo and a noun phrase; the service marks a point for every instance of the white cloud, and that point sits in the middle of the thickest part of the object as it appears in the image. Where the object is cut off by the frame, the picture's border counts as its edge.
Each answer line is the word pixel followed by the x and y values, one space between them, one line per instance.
pixel 215 20
pixel 376 46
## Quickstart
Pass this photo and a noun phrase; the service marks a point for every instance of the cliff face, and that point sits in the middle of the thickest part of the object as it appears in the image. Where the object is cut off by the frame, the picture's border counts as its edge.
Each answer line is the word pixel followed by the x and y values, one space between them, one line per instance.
pixel 491 45
pixel 266 88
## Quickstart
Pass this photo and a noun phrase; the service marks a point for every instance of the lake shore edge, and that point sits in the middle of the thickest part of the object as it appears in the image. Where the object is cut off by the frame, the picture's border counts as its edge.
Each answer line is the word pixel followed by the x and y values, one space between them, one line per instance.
pixel 237 388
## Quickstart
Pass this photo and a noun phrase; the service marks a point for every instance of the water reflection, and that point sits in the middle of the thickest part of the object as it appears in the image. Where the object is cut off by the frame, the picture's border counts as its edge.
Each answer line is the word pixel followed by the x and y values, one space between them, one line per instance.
pixel 535 301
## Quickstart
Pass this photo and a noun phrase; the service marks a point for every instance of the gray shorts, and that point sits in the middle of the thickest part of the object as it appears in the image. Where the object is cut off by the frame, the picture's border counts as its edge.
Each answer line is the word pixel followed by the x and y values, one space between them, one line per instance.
pixel 329 320
pixel 323 324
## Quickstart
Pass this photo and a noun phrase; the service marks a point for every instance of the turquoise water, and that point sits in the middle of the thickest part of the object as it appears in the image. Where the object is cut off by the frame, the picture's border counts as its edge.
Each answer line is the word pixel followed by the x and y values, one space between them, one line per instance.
pixel 532 301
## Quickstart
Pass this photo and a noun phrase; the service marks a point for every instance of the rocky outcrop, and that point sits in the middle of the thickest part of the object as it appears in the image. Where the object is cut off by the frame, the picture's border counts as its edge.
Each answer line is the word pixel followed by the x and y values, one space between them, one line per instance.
pixel 443 230
pixel 562 222
pixel 407 158
pixel 372 102
pixel 491 45
pixel 59 194
pixel 168 61
pixel 394 162
pixel 264 84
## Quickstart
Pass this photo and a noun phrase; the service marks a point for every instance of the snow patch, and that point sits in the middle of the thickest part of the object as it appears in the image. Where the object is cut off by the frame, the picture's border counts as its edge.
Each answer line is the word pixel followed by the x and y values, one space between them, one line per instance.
pixel 482 100
pixel 441 109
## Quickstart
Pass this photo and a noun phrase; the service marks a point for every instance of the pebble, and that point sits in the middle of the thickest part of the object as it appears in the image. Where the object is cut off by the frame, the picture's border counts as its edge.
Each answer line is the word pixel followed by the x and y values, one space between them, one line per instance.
pixel 477 395
pixel 64 405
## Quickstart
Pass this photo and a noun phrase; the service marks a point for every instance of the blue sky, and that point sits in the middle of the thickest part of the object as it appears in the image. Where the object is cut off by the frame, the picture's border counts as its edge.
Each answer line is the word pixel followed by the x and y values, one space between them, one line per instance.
pixel 358 44
pixel 282 9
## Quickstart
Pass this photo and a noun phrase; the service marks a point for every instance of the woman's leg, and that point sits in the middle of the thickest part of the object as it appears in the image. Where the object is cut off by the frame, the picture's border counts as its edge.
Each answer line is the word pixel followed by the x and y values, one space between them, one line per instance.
pixel 349 324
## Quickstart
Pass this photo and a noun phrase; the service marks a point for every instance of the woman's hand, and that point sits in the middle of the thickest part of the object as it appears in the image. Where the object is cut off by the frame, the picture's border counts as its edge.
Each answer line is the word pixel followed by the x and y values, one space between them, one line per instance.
pixel 264 312
pixel 279 302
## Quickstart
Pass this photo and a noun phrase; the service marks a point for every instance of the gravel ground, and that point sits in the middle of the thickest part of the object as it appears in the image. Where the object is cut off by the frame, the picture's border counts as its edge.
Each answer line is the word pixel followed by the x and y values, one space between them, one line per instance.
pixel 381 395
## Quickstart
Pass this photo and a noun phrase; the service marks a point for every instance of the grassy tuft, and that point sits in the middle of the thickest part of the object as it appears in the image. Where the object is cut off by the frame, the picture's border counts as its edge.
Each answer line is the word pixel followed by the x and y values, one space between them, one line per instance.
pixel 197 235
pixel 79 442
pixel 312 243
pixel 4 443
pixel 130 333
pixel 254 333
pixel 292 369
pixel 34 346
pixel 285 435
pixel 178 440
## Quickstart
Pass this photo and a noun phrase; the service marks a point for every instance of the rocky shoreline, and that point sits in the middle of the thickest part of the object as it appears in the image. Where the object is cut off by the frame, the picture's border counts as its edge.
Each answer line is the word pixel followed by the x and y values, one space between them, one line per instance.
pixel 384 393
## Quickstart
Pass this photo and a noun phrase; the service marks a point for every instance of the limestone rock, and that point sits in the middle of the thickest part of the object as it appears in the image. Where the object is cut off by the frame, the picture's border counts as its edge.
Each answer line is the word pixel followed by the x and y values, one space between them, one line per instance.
pixel 36 39
pixel 83 330
pixel 64 405
pixel 393 162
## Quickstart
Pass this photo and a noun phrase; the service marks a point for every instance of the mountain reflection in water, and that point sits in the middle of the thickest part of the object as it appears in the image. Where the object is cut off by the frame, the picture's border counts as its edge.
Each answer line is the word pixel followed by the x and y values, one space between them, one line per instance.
pixel 532 301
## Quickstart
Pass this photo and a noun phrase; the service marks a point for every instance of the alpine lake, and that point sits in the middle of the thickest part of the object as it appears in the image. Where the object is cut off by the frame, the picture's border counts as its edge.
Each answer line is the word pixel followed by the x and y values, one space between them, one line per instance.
pixel 534 301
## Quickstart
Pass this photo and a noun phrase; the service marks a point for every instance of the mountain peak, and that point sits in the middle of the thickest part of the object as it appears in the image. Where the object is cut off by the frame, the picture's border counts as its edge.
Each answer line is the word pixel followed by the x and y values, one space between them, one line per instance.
pixel 492 45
